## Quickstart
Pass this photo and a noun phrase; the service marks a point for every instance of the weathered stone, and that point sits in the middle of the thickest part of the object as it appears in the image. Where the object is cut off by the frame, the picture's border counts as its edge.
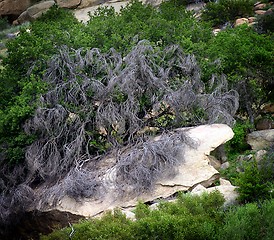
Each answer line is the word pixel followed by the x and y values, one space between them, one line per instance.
pixel 13 7
pixel 259 155
pixel 225 188
pixel 251 19
pixel 68 3
pixel 24 17
pixel 89 3
pixel 268 108
pixel 261 139
pixel 264 124
pixel 35 11
pixel 39 8
pixel 240 21
pixel 260 6
pixel 269 11
pixel 216 31
pixel 193 169
pixel 214 162
pixel 260 12
pixel 244 158
pixel 225 165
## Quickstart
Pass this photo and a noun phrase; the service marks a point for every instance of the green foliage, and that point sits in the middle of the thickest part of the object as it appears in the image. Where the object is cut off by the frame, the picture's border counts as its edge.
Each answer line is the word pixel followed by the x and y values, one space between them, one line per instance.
pixel 266 165
pixel 238 143
pixel 252 185
pixel 4 24
pixel 265 23
pixel 169 25
pixel 242 223
pixel 110 226
pixel 222 11
pixel 247 59
pixel 190 217
pixel 251 221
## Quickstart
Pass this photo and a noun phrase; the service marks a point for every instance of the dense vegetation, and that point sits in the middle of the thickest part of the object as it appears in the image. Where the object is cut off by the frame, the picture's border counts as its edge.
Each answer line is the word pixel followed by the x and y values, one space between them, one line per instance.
pixel 190 217
pixel 71 93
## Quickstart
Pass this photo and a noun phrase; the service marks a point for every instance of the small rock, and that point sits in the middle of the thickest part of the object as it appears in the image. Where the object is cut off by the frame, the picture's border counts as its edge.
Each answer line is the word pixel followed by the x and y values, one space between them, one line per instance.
pixel 269 11
pixel 225 166
pixel 264 124
pixel 260 6
pixel 214 162
pixel 68 3
pixel 260 12
pixel 154 206
pixel 225 182
pixel 130 215
pixel 268 108
pixel 251 19
pixel 260 155
pixel 241 21
pixel 216 31
pixel 251 24
pixel 225 188
pixel 198 189
pixel 244 158
pixel 261 139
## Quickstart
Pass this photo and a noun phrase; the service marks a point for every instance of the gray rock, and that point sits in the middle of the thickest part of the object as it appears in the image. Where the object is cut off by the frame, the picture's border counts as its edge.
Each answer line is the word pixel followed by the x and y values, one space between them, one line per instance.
pixel 261 139
pixel 13 7
pixel 260 155
pixel 225 166
pixel 35 11
pixel 193 169
pixel 225 188
pixel 68 3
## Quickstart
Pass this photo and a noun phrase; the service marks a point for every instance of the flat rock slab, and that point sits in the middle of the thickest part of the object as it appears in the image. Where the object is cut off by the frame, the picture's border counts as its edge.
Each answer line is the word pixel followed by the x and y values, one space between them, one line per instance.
pixel 193 169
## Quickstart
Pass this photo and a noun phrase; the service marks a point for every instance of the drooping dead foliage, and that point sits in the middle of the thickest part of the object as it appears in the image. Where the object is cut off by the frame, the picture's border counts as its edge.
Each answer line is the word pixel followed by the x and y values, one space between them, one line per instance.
pixel 102 103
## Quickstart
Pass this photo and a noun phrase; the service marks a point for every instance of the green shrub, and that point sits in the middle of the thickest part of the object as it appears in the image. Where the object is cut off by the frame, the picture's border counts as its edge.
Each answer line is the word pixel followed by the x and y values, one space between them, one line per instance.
pixel 4 24
pixel 190 217
pixel 266 165
pixel 238 143
pixel 265 23
pixel 251 183
pixel 222 11
pixel 243 222
pixel 247 60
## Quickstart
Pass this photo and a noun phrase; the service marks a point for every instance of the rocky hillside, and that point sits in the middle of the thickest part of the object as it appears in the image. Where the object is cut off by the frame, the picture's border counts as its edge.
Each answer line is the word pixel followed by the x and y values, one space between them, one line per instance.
pixel 140 105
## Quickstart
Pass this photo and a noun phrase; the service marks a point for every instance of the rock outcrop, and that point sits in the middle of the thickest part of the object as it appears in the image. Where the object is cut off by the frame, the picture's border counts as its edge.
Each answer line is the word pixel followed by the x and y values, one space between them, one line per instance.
pixel 35 11
pixel 68 3
pixel 193 169
pixel 225 187
pixel 192 173
pixel 261 139
pixel 13 7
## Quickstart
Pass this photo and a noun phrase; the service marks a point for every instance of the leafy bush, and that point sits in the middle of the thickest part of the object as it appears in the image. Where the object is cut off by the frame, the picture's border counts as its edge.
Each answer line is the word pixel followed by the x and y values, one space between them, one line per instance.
pixel 251 221
pixel 242 223
pixel 247 59
pixel 190 217
pixel 4 24
pixel 222 11
pixel 265 23
pixel 252 185
pixel 238 143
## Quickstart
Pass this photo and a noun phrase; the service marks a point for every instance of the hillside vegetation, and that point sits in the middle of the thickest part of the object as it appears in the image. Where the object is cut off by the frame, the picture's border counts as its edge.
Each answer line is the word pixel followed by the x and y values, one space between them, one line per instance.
pixel 72 93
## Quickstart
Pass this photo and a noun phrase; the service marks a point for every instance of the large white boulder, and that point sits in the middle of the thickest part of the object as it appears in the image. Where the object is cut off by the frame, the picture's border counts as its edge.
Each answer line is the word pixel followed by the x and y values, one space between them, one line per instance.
pixel 193 169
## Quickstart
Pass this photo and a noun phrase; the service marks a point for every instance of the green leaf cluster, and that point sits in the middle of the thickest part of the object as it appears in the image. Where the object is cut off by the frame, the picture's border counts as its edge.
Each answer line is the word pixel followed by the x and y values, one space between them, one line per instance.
pixel 223 11
pixel 190 217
